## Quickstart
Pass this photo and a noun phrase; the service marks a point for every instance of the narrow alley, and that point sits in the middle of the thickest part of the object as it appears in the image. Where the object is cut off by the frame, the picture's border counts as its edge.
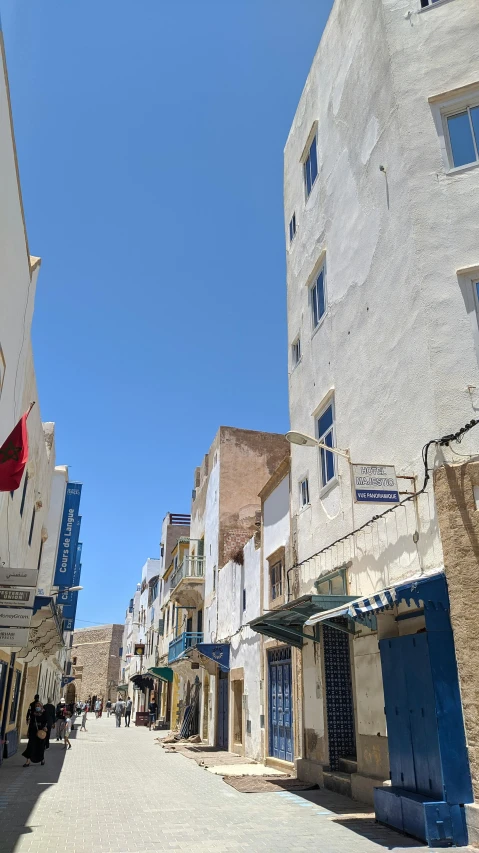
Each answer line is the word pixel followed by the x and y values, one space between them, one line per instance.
pixel 117 791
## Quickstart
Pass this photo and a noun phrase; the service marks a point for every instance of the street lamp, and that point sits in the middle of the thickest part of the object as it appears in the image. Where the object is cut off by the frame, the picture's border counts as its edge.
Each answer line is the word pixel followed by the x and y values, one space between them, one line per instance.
pixel 309 441
pixel 67 589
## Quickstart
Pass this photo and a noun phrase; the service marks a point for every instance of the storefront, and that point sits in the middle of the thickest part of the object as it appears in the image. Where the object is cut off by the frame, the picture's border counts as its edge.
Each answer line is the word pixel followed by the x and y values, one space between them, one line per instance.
pixel 430 778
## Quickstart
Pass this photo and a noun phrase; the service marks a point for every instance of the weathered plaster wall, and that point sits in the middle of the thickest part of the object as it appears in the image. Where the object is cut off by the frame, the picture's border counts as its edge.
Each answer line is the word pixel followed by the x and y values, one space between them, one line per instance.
pixel 248 459
pixel 276 529
pixel 392 289
pixel 53 524
pixel 17 293
pixel 459 522
pixel 245 648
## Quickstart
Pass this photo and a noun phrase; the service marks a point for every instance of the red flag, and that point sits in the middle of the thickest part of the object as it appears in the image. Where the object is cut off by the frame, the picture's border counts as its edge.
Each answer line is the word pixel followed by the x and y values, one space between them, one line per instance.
pixel 14 456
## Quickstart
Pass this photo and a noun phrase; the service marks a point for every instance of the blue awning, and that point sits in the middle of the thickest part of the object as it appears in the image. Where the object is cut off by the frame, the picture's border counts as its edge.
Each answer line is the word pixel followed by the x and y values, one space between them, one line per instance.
pixel 427 588
pixel 217 652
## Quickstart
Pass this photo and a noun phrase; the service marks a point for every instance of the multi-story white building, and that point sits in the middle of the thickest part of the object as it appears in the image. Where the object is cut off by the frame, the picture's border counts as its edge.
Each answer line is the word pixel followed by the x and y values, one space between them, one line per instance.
pixel 382 213
pixel 36 665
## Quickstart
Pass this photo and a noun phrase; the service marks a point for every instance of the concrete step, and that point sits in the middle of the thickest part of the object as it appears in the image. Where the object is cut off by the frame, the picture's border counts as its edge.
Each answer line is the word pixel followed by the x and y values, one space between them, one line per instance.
pixel 335 780
pixel 348 765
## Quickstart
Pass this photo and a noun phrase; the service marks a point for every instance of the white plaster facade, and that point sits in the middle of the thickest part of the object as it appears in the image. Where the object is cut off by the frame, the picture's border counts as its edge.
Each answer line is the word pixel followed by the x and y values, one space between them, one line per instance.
pixel 239 603
pixel 396 351
pixel 394 296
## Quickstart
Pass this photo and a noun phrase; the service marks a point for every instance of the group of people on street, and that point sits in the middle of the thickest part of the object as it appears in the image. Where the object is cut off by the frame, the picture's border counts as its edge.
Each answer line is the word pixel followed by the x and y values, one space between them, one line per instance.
pixel 41 719
pixel 121 708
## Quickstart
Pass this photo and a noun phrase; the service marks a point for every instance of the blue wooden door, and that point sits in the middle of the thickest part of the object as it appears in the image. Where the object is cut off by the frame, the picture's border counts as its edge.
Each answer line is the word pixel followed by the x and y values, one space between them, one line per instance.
pixel 413 740
pixel 280 704
pixel 222 729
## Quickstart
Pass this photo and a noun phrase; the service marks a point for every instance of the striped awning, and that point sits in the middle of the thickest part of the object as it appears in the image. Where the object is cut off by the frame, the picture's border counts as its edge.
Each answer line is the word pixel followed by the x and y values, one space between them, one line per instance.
pixel 379 601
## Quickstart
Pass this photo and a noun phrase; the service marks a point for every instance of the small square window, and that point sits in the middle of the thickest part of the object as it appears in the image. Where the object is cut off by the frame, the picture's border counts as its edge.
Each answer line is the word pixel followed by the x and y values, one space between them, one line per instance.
pixel 292 228
pixel 326 436
pixel 296 351
pixel 318 298
pixel 463 135
pixel 304 492
pixel 311 167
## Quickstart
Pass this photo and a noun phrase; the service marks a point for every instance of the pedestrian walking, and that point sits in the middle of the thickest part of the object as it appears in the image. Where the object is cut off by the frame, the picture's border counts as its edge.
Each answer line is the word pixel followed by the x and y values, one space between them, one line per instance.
pixel 108 708
pixel 153 712
pixel 119 711
pixel 66 734
pixel 100 710
pixel 37 735
pixel 97 708
pixel 129 703
pixel 60 719
pixel 83 719
pixel 51 713
pixel 31 706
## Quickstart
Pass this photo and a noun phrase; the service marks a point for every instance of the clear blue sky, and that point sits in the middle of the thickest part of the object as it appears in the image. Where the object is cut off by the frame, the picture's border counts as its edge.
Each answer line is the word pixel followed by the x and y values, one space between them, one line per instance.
pixel 150 138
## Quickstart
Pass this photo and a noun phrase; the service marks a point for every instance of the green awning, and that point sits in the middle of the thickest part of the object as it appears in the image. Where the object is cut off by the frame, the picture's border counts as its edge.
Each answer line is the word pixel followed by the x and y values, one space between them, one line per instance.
pixel 287 622
pixel 164 673
pixel 122 687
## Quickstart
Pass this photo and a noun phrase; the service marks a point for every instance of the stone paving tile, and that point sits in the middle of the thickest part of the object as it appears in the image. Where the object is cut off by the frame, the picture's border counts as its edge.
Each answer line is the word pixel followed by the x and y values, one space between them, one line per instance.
pixel 117 791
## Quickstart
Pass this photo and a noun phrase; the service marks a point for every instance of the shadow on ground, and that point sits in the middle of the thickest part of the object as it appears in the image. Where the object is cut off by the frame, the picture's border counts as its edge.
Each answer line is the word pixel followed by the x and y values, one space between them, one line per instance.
pixel 21 788
pixel 359 818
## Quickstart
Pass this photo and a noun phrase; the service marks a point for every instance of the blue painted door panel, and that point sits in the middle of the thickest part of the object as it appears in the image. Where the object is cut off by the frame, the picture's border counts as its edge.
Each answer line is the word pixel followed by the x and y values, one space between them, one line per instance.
pixel 222 736
pixel 452 738
pixel 414 753
pixel 280 704
pixel 422 716
pixel 401 758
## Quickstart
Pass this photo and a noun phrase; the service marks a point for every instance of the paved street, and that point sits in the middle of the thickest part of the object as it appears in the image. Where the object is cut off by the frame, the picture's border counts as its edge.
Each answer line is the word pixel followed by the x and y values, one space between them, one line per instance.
pixel 117 791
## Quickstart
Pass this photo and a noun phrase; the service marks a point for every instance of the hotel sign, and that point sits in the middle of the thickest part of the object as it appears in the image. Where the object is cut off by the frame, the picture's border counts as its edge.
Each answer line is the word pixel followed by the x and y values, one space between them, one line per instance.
pixel 17 597
pixel 375 484
pixel 18 577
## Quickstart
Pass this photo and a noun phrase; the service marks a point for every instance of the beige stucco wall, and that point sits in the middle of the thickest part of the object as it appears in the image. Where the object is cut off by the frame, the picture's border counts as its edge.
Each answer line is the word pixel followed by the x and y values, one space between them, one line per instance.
pixel 247 461
pixel 459 525
pixel 95 669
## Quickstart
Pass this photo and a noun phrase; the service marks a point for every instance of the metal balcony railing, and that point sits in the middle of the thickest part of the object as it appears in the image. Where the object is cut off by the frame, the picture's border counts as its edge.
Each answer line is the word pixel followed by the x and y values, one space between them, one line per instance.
pixel 191 567
pixel 186 640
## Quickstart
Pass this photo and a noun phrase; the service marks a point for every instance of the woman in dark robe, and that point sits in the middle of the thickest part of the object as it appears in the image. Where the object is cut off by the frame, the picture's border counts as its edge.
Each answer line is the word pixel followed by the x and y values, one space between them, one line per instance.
pixel 35 751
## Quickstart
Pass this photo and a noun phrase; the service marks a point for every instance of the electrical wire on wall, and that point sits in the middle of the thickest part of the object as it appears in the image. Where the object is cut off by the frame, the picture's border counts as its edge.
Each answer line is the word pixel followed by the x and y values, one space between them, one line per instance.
pixel 445 441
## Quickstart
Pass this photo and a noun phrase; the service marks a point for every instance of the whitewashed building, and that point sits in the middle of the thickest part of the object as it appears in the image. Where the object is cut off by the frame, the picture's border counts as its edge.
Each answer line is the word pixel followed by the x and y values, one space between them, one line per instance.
pixel 33 665
pixel 381 214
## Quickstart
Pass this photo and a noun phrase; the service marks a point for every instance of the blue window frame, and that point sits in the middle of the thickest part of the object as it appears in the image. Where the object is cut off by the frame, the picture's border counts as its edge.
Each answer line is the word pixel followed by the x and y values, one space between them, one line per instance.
pixel 318 298
pixel 311 167
pixel 326 436
pixel 463 131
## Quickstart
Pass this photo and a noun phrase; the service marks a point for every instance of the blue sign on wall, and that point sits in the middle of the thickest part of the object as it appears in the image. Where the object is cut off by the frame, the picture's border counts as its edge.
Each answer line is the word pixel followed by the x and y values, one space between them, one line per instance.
pixel 68 540
pixel 70 599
